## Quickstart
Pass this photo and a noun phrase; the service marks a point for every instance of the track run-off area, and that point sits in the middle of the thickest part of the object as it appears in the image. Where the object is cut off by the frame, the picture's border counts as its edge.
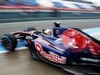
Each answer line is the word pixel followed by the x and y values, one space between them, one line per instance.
pixel 21 63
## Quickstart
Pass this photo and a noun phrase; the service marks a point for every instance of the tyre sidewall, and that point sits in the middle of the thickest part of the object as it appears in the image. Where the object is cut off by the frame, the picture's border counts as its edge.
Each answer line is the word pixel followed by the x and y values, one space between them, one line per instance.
pixel 12 40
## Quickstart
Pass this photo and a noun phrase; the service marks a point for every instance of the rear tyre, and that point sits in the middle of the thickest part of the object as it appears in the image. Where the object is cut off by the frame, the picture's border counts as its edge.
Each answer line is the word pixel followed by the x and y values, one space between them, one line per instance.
pixel 9 42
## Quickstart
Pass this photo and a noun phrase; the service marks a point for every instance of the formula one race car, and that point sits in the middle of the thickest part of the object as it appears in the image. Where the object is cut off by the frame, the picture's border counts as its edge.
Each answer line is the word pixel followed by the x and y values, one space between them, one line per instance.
pixel 61 46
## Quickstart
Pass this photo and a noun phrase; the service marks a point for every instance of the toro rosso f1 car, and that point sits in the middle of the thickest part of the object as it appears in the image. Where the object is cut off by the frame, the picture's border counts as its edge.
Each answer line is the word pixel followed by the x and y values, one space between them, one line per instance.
pixel 60 46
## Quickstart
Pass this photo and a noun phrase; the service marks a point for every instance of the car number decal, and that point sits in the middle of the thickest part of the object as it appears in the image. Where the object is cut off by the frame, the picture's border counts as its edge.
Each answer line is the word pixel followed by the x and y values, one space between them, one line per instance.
pixel 50 55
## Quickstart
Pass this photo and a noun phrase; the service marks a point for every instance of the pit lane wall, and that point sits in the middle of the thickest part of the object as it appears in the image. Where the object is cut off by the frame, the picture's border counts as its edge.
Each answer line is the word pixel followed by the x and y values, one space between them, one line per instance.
pixel 38 13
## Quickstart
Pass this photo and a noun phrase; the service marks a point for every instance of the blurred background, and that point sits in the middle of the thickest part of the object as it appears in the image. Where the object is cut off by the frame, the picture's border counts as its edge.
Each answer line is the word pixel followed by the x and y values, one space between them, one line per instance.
pixel 51 9
pixel 19 62
pixel 82 4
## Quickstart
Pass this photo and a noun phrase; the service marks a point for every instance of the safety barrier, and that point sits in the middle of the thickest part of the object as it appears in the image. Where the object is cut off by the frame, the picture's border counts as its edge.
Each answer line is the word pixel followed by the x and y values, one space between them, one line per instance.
pixel 42 14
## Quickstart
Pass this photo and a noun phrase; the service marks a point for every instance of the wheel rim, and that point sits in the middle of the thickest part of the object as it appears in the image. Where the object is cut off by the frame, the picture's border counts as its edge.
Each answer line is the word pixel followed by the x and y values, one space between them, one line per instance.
pixel 6 43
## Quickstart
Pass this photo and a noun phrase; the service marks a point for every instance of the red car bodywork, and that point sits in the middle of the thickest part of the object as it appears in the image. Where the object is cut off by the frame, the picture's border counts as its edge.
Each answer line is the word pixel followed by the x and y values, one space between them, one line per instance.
pixel 79 41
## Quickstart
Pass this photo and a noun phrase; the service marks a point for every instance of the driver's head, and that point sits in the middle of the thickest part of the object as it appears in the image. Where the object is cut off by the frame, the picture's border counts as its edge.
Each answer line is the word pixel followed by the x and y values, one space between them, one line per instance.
pixel 47 32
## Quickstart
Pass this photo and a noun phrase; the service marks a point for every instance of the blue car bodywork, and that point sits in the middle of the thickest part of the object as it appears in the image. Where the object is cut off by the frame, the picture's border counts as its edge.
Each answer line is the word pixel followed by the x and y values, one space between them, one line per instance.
pixel 67 46
pixel 54 51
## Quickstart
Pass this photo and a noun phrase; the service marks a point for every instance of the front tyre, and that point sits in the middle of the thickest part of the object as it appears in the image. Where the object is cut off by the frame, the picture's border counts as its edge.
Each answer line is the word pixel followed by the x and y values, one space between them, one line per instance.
pixel 9 42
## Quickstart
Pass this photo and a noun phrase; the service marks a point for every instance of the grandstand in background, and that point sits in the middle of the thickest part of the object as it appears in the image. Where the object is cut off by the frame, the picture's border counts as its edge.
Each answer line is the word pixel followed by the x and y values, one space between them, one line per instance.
pixel 81 1
pixel 12 10
pixel 69 4
pixel 85 1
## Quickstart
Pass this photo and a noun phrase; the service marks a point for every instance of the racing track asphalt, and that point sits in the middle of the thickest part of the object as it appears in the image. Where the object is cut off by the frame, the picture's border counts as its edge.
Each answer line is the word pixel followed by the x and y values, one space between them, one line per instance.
pixel 83 23
pixel 20 62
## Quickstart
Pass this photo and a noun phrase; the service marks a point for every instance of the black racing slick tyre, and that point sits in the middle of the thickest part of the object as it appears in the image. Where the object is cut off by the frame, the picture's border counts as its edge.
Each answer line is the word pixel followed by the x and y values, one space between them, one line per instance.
pixel 9 42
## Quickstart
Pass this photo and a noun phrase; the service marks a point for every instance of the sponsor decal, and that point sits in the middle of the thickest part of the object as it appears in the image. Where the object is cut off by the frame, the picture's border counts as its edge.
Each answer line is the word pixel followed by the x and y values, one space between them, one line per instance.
pixel 50 55
pixel 57 31
pixel 91 60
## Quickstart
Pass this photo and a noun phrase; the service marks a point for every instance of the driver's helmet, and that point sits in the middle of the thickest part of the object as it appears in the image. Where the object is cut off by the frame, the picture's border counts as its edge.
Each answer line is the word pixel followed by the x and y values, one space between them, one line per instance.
pixel 47 32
